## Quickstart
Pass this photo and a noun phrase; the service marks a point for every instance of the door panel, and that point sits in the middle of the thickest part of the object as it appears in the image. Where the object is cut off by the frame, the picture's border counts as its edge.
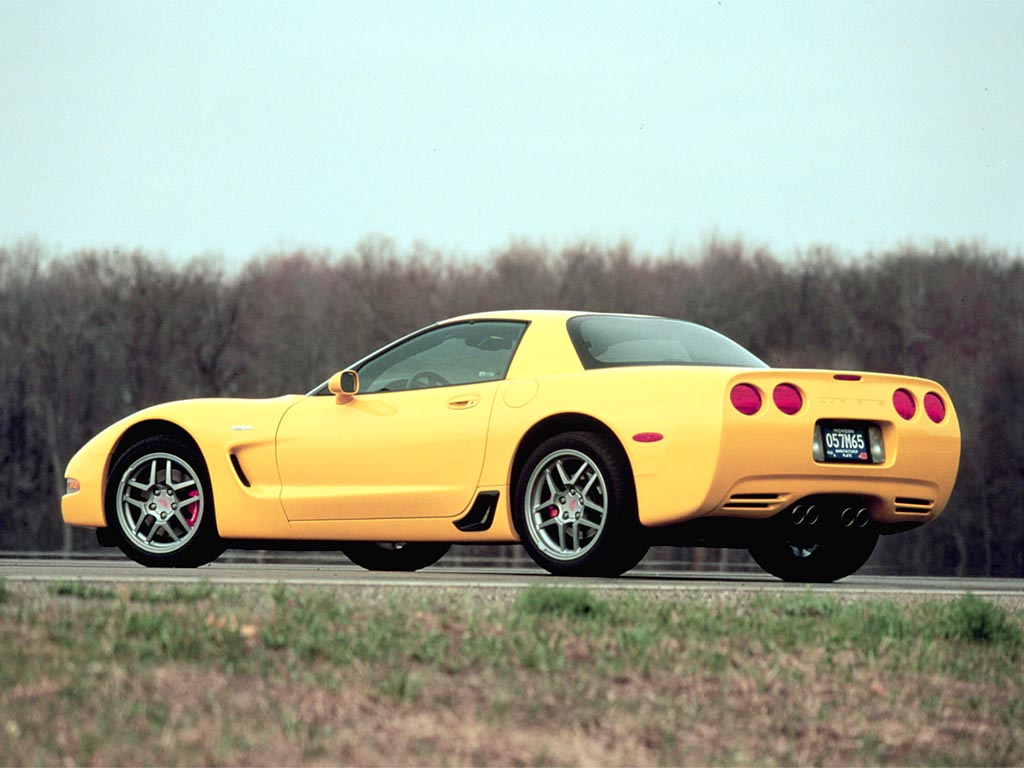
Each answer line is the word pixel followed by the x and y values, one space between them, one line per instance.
pixel 415 453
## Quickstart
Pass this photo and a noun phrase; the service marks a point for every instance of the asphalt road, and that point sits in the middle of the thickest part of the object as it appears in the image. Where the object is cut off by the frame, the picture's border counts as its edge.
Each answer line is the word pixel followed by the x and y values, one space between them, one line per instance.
pixel 41 569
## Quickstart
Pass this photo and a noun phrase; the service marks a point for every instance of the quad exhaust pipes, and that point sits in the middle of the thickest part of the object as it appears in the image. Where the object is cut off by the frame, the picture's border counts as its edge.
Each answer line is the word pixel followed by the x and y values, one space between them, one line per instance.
pixel 808 515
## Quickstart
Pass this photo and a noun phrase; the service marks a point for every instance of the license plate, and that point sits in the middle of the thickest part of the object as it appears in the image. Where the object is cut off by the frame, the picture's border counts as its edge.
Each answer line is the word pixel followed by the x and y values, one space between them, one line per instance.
pixel 847 443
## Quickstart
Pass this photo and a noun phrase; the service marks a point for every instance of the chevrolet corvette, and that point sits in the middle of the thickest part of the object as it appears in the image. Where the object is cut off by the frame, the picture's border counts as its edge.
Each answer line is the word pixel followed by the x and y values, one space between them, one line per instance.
pixel 586 437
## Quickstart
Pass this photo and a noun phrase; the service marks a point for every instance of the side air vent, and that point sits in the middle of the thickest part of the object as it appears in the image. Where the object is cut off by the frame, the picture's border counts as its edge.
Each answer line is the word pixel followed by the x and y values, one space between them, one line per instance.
pixel 909 506
pixel 238 471
pixel 481 514
pixel 753 501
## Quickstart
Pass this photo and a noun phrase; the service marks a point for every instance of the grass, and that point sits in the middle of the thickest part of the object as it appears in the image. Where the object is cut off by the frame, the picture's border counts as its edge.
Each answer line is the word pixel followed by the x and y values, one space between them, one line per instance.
pixel 208 675
pixel 80 590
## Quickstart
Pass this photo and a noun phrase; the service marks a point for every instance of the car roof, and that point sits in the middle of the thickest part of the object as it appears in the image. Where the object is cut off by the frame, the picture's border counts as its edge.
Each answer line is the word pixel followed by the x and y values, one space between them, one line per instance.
pixel 533 314
pixel 515 314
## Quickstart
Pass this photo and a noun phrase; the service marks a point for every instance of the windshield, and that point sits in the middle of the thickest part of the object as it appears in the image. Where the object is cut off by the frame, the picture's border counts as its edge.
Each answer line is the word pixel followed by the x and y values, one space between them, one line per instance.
pixel 607 341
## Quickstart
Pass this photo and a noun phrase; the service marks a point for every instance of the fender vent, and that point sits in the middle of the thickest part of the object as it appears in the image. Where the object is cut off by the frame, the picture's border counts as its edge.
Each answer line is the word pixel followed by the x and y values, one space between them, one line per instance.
pixel 238 471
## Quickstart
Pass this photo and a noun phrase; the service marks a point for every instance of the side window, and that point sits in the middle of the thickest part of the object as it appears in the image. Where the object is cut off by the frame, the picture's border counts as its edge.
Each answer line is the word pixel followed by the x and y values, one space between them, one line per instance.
pixel 464 353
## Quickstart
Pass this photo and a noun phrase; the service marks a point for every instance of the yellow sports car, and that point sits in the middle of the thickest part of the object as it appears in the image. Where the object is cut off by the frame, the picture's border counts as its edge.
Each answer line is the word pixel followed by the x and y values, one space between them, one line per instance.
pixel 587 437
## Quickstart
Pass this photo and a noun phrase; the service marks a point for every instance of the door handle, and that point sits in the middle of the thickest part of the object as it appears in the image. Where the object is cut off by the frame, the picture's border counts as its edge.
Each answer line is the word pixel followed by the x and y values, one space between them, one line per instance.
pixel 462 402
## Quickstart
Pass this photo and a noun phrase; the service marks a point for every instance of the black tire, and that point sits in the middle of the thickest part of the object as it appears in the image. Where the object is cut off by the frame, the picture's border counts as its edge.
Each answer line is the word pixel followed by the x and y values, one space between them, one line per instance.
pixel 159 505
pixel 381 556
pixel 575 509
pixel 819 563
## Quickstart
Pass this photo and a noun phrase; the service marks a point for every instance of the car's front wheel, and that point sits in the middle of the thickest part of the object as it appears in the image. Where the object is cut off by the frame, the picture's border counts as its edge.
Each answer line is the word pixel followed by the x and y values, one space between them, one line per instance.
pixel 394 556
pixel 819 562
pixel 575 507
pixel 160 505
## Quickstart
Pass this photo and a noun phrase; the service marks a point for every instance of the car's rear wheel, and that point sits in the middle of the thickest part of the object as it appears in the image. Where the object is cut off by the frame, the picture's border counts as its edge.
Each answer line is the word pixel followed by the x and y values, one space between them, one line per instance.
pixel 818 562
pixel 575 507
pixel 394 556
pixel 160 505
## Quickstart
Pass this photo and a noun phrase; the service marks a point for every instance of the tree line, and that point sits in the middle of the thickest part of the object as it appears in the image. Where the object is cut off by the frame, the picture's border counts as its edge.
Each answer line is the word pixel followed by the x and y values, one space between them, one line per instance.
pixel 91 336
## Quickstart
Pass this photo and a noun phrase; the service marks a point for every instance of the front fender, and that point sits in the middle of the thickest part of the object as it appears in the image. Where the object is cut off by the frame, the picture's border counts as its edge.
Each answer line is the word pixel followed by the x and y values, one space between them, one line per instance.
pixel 220 428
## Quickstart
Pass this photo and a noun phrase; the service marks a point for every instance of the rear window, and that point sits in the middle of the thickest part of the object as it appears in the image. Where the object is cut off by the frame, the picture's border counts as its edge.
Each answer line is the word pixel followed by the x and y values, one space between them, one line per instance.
pixel 608 341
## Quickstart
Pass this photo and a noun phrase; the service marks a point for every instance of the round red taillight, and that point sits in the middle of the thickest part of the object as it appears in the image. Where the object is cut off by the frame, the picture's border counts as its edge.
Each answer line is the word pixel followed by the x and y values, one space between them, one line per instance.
pixel 904 403
pixel 935 407
pixel 787 399
pixel 745 399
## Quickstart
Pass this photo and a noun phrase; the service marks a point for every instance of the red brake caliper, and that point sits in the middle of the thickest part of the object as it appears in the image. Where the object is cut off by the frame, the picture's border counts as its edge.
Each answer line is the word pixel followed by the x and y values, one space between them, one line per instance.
pixel 192 510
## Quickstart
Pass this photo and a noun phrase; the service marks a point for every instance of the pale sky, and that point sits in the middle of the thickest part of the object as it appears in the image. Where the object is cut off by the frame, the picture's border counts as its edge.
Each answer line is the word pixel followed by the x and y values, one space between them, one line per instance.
pixel 243 127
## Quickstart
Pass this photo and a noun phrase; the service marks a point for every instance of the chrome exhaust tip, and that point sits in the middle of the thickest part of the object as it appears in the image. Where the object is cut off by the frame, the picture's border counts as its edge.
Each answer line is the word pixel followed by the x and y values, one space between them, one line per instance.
pixel 848 517
pixel 862 519
pixel 798 515
pixel 811 518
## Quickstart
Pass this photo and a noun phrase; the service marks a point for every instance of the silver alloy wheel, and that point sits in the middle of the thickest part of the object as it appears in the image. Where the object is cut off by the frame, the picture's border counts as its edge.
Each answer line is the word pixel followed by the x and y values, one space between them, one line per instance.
pixel 160 503
pixel 566 505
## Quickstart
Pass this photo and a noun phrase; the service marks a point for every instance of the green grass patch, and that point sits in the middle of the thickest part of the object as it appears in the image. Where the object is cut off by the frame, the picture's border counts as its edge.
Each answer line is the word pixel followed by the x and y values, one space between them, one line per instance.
pixel 561 601
pixel 174 593
pixel 81 590
pixel 973 619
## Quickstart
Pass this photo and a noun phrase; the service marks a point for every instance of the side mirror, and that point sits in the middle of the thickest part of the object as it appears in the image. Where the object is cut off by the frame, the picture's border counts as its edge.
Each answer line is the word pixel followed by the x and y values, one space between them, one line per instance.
pixel 344 385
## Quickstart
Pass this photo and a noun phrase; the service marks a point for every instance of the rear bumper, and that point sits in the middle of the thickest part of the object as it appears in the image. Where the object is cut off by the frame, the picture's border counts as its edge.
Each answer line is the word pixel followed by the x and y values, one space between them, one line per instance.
pixel 889 500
